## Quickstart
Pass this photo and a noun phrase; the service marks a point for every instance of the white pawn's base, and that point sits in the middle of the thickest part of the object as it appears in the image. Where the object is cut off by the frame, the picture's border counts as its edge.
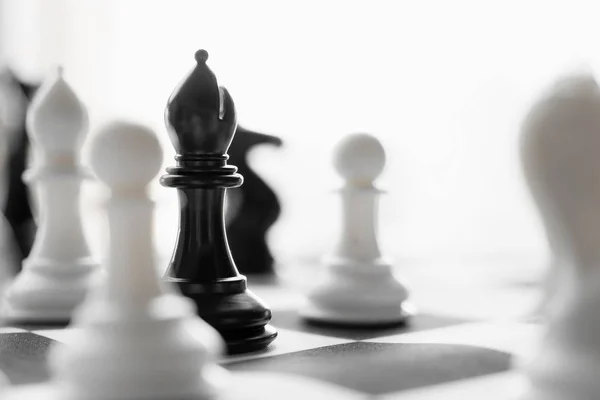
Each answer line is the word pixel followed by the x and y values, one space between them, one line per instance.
pixel 357 293
pixel 46 291
pixel 157 349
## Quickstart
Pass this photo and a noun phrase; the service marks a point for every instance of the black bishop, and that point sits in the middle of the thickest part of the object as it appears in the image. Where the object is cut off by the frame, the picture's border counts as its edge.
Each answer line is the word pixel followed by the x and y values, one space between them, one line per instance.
pixel 201 119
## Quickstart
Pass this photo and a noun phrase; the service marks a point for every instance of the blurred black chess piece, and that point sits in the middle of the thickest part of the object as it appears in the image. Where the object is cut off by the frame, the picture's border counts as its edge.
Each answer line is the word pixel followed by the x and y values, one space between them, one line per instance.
pixel 201 120
pixel 16 96
pixel 252 208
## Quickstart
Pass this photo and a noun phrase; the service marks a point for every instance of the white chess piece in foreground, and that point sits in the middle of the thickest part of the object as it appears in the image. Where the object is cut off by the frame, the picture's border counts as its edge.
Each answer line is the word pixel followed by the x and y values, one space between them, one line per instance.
pixel 560 147
pixel 58 271
pixel 133 338
pixel 360 287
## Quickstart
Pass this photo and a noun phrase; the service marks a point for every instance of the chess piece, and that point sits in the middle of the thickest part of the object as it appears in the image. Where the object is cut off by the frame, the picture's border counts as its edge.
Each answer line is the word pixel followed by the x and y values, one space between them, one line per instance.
pixel 56 275
pixel 359 288
pixel 131 324
pixel 15 97
pixel 201 120
pixel 252 208
pixel 8 249
pixel 134 338
pixel 9 255
pixel 560 141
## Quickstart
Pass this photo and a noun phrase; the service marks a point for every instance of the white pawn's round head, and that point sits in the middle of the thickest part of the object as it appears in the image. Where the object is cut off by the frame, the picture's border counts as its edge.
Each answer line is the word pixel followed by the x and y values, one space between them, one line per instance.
pixel 359 158
pixel 57 120
pixel 125 156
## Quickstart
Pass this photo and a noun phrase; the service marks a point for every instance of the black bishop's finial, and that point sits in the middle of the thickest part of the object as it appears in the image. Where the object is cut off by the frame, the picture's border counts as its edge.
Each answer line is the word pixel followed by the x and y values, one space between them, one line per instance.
pixel 200 116
pixel 201 56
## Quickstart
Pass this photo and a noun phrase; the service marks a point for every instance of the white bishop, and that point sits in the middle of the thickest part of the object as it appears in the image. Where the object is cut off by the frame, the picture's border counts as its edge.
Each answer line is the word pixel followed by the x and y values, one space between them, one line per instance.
pixel 57 274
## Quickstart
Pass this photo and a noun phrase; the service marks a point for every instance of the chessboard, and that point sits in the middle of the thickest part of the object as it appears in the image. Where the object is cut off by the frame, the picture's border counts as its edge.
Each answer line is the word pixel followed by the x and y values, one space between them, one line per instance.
pixel 472 326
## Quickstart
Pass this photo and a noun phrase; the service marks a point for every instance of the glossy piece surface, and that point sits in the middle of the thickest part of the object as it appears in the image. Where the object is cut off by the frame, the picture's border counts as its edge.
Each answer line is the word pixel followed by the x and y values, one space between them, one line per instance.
pixel 201 119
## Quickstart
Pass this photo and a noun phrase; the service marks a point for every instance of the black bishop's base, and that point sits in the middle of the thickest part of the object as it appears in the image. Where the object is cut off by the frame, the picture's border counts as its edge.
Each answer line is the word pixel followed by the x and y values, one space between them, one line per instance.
pixel 241 318
pixel 201 120
pixel 202 266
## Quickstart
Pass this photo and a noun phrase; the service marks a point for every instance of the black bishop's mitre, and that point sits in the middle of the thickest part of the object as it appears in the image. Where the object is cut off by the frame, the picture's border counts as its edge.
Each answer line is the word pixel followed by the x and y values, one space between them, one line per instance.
pixel 201 120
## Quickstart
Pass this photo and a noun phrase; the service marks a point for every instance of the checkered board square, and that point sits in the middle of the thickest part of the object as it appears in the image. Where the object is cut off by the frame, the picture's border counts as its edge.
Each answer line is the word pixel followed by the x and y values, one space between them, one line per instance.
pixel 434 356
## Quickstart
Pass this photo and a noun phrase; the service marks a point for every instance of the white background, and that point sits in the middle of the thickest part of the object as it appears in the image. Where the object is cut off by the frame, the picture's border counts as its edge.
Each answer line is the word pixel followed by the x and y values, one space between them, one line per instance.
pixel 444 85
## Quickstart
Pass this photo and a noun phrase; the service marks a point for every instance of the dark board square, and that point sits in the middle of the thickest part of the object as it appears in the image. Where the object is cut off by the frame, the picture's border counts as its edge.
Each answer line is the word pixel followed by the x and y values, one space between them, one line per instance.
pixel 39 326
pixel 289 319
pixel 23 357
pixel 380 368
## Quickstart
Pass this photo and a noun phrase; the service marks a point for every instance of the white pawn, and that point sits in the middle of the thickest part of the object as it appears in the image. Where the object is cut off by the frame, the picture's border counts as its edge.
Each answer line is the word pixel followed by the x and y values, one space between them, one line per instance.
pixel 360 287
pixel 56 275
pixel 134 339
pixel 560 143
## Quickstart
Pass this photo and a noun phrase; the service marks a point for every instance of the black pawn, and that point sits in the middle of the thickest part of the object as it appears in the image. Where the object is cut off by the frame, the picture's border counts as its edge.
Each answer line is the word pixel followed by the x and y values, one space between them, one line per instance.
pixel 17 208
pixel 254 208
pixel 201 120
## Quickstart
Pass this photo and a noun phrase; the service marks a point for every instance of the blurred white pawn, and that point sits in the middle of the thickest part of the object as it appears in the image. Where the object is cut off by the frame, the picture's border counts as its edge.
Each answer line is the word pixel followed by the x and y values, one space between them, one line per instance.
pixel 560 144
pixel 134 338
pixel 360 287
pixel 57 274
